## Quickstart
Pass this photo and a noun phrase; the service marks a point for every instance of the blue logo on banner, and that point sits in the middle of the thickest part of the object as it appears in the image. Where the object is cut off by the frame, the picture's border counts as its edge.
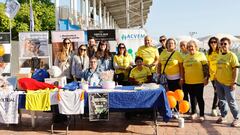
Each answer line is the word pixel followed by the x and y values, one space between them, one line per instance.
pixel 132 36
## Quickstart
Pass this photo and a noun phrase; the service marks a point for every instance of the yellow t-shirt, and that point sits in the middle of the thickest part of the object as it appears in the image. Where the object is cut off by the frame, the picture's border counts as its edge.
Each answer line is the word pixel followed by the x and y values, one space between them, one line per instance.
pixel 192 65
pixel 123 61
pixel 225 64
pixel 38 100
pixel 140 76
pixel 172 67
pixel 212 61
pixel 148 54
pixel 183 54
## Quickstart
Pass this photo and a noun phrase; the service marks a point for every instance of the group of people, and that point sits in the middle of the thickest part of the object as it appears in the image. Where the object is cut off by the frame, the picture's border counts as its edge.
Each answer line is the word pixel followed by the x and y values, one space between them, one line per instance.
pixel 187 69
pixel 191 70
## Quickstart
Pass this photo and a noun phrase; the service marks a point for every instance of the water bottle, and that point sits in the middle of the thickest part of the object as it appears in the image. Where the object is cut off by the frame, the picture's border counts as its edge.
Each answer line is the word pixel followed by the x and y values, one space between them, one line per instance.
pixel 181 122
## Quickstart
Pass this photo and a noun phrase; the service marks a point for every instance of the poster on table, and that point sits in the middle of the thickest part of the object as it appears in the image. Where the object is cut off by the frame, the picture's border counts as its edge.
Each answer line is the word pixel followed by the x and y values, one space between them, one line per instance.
pixel 104 34
pixel 5 53
pixel 132 38
pixel 98 106
pixel 77 38
pixel 33 45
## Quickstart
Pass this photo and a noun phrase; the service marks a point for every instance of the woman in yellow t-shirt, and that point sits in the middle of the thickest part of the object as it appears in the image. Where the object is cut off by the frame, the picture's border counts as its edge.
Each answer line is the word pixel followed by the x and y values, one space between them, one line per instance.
pixel 122 64
pixel 140 74
pixel 195 77
pixel 212 55
pixel 174 68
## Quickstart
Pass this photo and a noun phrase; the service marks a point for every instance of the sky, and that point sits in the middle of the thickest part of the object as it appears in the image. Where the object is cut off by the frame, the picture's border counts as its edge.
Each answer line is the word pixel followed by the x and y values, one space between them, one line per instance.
pixel 206 17
pixel 179 17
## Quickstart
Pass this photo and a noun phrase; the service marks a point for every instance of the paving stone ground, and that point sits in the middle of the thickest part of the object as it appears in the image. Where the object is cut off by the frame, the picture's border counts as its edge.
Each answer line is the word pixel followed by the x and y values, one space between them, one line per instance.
pixel 118 125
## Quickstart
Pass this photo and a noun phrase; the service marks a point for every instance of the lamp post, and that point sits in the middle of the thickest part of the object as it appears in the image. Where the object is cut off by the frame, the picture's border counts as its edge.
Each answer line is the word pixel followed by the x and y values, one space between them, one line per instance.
pixel 192 33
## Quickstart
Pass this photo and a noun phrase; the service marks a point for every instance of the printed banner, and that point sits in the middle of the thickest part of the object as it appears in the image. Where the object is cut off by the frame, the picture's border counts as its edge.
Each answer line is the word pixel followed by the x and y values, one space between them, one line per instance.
pixel 12 7
pixel 102 34
pixel 34 45
pixel 76 37
pixel 98 106
pixel 5 53
pixel 132 38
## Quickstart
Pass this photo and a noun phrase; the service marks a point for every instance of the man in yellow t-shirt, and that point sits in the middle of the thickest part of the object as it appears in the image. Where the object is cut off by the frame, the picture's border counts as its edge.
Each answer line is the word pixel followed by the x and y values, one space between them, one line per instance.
pixel 140 74
pixel 149 54
pixel 226 78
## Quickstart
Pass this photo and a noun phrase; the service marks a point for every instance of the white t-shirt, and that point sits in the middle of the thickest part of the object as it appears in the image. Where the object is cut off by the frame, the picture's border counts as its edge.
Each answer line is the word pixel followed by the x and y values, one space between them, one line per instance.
pixel 71 102
pixel 9 107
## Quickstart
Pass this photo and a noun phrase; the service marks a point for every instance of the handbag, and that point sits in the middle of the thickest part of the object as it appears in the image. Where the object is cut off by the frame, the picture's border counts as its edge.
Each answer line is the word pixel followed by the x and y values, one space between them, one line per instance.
pixel 163 76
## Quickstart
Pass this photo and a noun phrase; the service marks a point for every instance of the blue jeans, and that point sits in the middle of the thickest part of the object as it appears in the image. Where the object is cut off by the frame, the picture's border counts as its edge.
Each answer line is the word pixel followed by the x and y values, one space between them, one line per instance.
pixel 226 95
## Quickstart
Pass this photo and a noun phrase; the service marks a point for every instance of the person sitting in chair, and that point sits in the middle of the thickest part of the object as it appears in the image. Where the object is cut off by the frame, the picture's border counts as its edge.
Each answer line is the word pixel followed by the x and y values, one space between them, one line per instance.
pixel 92 74
pixel 140 74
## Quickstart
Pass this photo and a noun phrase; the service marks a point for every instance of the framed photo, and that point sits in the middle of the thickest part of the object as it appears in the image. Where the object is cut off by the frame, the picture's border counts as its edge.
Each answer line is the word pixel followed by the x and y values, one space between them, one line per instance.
pixel 33 44
pixel 32 62
pixel 5 54
pixel 98 106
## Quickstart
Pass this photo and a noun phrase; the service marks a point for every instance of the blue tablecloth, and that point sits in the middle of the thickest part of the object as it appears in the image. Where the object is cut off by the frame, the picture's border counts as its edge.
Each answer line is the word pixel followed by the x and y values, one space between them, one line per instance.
pixel 142 99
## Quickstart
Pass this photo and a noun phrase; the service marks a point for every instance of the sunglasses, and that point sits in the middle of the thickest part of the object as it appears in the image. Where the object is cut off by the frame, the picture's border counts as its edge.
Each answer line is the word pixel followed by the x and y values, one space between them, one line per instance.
pixel 67 43
pixel 121 47
pixel 93 61
pixel 224 44
pixel 83 49
pixel 161 40
pixel 212 42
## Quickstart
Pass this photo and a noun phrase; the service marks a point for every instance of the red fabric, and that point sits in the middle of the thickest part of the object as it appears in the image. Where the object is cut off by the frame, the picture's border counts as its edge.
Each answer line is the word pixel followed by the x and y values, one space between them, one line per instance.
pixel 32 84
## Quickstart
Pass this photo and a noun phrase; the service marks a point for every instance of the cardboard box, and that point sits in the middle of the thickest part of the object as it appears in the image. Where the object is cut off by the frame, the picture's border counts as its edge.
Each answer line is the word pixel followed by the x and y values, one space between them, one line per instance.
pixel 60 81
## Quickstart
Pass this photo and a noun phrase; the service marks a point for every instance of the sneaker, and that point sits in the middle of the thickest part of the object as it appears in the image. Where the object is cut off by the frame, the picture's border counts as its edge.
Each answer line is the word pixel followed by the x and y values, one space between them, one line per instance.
pixel 221 120
pixel 202 118
pixel 236 123
pixel 193 116
pixel 214 113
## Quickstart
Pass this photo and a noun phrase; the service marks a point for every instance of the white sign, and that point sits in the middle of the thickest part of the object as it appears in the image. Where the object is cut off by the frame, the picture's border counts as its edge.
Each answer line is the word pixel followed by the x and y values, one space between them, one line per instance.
pixel 132 38
pixel 74 36
pixel 12 7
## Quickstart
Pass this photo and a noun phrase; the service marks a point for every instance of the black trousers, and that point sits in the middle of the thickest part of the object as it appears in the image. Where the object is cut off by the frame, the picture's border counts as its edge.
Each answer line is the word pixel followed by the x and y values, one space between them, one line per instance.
pixel 196 92
pixel 186 92
pixel 173 85
pixel 215 97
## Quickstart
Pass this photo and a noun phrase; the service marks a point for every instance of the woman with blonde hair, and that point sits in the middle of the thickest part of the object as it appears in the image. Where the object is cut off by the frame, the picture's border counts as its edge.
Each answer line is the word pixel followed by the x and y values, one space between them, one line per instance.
pixel 64 58
pixel 196 74
pixel 170 62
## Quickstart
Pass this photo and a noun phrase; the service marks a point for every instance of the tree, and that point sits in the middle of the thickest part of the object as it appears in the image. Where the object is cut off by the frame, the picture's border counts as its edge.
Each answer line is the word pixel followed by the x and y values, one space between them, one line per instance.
pixel 44 17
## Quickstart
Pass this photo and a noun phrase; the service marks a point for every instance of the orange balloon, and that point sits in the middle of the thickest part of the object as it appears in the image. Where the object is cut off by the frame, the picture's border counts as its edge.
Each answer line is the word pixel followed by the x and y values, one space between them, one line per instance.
pixel 184 106
pixel 170 93
pixel 178 94
pixel 172 101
